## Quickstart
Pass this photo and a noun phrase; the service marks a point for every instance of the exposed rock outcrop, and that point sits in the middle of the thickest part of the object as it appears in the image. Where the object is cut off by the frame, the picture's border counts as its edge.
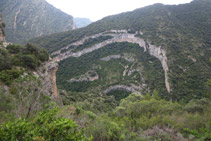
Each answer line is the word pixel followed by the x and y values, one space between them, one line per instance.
pixel 47 73
pixel 161 55
pixel 111 57
pixel 122 87
pixel 2 35
pixel 118 36
pixel 89 76
pixel 127 57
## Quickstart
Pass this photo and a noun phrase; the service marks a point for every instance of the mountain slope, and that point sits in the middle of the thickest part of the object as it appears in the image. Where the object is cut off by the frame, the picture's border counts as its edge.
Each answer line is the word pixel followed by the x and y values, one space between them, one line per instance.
pixel 173 58
pixel 27 19
pixel 81 22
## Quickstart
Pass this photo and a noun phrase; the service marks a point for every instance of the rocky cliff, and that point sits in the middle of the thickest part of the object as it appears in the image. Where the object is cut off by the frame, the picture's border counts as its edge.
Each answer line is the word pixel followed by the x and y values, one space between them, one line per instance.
pixel 47 72
pixel 2 35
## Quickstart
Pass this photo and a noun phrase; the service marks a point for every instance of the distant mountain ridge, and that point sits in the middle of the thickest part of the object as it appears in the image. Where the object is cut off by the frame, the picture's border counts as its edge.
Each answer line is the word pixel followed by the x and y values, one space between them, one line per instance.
pixel 27 19
pixel 81 22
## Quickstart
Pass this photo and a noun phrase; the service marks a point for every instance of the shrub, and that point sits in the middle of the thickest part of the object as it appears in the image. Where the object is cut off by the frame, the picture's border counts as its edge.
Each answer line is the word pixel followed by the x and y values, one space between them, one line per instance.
pixel 45 127
pixel 29 61
pixel 105 129
pixel 5 60
pixel 14 49
pixel 7 76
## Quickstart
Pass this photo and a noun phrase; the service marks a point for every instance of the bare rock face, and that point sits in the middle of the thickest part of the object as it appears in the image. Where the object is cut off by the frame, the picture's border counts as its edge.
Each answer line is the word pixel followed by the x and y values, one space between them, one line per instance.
pixel 91 75
pixel 161 55
pixel 47 74
pixel 2 35
pixel 132 88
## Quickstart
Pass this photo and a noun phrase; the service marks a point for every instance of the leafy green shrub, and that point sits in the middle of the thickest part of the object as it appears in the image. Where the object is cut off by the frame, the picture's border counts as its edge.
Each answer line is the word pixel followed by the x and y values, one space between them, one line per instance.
pixel 5 60
pixel 195 106
pixel 91 115
pixel 7 76
pixel 6 107
pixel 203 133
pixel 43 55
pixel 14 49
pixel 28 56
pixel 29 61
pixel 18 130
pixel 45 127
pixel 148 107
pixel 105 129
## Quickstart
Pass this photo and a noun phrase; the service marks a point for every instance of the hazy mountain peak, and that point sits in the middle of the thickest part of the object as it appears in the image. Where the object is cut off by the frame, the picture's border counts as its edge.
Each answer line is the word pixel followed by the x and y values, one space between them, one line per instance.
pixel 81 22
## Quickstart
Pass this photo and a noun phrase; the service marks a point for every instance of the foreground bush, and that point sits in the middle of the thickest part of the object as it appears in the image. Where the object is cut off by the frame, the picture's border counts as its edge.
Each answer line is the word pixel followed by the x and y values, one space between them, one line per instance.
pixel 45 127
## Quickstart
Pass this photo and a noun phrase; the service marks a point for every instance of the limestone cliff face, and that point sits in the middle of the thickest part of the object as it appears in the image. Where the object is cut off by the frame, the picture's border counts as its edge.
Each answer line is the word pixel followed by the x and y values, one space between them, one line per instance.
pixel 2 35
pixel 47 74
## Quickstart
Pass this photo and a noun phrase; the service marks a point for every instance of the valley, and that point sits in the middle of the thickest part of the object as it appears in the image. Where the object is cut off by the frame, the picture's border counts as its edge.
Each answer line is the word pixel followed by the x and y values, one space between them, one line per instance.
pixel 138 75
pixel 120 36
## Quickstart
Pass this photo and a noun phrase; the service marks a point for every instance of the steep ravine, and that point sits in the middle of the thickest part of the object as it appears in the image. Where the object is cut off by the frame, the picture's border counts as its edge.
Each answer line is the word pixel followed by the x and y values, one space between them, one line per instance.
pixel 118 36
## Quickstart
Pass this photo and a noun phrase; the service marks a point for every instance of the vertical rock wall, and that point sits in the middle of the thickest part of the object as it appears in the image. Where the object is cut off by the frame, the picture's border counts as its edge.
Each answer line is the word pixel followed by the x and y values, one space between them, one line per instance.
pixel 47 74
pixel 2 36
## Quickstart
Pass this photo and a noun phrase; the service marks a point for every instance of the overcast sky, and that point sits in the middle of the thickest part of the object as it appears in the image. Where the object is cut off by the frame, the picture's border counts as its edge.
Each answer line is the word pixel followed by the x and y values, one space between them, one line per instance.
pixel 97 9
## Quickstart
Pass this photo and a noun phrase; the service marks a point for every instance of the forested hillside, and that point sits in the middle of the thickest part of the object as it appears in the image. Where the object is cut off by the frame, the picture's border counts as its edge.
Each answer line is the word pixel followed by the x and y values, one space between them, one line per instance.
pixel 27 19
pixel 182 31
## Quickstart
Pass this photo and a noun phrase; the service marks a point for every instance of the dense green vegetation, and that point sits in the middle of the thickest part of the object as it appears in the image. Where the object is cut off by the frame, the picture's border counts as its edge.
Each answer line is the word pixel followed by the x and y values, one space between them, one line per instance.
pixel 111 72
pixel 23 99
pixel 136 118
pixel 139 117
pixel 119 94
pixel 136 115
pixel 20 92
pixel 15 59
pixel 46 126
pixel 41 18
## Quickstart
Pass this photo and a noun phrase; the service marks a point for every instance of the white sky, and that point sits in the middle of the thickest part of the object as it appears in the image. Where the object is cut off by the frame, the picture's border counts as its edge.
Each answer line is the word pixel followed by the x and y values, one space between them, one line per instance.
pixel 97 9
